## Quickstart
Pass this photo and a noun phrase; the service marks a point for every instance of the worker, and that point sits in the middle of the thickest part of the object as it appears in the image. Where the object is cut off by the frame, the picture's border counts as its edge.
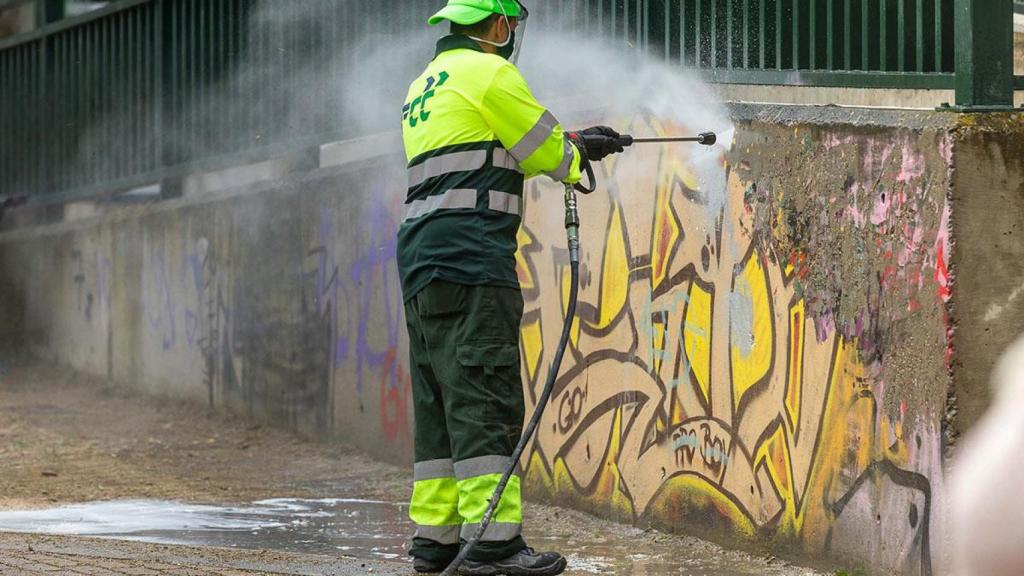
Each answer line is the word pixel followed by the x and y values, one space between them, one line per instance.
pixel 473 132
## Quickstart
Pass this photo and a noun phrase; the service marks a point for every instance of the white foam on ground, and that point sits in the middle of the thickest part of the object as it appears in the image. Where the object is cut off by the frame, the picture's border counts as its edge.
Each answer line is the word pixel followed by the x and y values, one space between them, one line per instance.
pixel 134 516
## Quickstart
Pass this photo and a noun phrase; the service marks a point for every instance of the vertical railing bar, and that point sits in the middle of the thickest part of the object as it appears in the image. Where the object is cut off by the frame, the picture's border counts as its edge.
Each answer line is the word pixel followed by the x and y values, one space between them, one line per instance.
pixel 75 99
pixel 847 35
pixel 136 94
pixel 94 59
pixel 729 23
pixel 778 34
pixel 113 117
pixel 36 67
pixel 938 36
pixel 646 26
pixel 96 100
pixel 195 71
pixel 666 30
pixel 682 34
pixel 865 42
pixel 640 28
pixel 746 33
pixel 614 21
pixel 883 30
pixel 812 49
pixel 108 63
pixel 919 20
pixel 123 73
pixel 51 142
pixel 697 36
pixel 714 34
pixel 131 93
pixel 830 32
pixel 207 106
pixel 763 38
pixel 224 44
pixel 114 98
pixel 103 98
pixel 901 35
pixel 796 34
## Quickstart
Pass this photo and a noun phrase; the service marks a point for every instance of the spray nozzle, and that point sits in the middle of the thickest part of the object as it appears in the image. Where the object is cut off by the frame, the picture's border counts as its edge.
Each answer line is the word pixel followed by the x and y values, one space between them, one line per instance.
pixel 625 140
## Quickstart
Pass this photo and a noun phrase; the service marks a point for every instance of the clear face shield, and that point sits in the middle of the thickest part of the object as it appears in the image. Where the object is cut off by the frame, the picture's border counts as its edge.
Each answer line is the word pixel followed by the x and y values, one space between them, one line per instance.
pixel 511 48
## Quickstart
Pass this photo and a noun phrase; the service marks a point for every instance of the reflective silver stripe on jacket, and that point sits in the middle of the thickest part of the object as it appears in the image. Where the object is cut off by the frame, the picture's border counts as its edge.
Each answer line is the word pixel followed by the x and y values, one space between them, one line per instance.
pixel 502 159
pixel 464 198
pixel 536 137
pixel 562 172
pixel 505 202
pixel 456 198
pixel 433 469
pixel 496 531
pixel 481 465
pixel 441 165
pixel 441 534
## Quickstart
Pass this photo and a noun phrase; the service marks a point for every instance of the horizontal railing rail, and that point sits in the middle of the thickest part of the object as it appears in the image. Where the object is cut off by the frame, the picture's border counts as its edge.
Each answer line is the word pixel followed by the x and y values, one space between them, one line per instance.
pixel 144 90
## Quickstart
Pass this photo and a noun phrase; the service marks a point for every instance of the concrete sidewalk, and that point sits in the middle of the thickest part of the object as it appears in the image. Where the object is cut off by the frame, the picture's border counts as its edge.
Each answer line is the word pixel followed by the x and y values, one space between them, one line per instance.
pixel 65 439
pixel 29 554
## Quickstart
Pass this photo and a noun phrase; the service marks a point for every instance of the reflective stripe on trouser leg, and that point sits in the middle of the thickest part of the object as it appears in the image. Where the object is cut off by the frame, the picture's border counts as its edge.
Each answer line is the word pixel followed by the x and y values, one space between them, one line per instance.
pixel 435 501
pixel 477 479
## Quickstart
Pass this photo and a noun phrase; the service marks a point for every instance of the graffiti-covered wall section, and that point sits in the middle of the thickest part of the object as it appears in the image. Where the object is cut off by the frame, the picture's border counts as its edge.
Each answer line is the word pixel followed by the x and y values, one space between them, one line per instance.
pixel 761 352
pixel 280 301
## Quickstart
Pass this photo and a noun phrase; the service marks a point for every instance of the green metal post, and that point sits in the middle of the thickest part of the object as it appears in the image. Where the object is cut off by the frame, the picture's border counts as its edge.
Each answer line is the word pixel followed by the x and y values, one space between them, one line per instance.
pixel 48 11
pixel 984 54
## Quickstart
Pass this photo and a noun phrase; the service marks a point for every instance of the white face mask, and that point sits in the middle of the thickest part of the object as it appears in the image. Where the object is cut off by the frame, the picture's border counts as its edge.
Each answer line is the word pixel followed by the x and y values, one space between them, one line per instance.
pixel 511 36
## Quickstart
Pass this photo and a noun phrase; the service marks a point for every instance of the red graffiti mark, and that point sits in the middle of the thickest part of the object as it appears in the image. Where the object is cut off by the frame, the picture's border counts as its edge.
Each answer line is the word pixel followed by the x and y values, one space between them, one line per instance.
pixel 945 293
pixel 394 399
pixel 942 275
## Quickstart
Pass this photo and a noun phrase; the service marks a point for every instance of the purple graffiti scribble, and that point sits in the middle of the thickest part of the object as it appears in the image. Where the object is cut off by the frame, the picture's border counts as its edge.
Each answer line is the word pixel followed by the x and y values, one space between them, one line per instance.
pixel 372 268
pixel 329 291
pixel 193 267
pixel 161 316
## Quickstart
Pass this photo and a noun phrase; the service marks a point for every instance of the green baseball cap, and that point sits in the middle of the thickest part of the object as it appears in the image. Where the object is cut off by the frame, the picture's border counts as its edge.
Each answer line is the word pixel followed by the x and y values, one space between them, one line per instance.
pixel 467 12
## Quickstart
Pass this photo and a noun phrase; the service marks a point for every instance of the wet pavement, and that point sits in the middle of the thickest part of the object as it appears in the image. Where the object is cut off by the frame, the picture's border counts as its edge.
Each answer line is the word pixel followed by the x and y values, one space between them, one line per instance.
pixel 365 529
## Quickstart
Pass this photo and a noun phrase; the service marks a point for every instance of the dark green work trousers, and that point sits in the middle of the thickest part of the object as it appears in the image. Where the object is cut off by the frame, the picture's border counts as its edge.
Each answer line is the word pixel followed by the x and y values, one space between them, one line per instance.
pixel 468 401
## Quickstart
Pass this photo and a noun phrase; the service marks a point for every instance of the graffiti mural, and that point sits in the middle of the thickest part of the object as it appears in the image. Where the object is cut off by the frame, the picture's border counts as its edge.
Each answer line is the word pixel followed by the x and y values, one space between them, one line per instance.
pixel 351 281
pixel 709 383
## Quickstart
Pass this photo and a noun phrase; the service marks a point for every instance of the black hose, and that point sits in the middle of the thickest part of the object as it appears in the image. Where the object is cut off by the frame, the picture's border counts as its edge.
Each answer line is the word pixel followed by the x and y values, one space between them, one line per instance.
pixel 572 226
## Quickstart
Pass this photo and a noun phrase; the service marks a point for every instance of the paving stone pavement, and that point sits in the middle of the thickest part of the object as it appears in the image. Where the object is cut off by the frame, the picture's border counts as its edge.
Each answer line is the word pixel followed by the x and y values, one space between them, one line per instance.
pixel 32 554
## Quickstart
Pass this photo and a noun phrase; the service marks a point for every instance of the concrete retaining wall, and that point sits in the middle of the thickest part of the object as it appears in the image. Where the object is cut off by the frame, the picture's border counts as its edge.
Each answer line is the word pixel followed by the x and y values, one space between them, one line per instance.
pixel 765 351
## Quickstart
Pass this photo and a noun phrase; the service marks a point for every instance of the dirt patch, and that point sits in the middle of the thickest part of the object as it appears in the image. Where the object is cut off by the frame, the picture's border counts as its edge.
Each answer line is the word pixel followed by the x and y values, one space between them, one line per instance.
pixel 69 438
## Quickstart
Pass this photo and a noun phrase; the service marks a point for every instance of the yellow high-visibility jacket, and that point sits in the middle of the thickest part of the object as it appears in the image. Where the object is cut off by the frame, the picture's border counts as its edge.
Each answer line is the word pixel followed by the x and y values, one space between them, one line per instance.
pixel 473 133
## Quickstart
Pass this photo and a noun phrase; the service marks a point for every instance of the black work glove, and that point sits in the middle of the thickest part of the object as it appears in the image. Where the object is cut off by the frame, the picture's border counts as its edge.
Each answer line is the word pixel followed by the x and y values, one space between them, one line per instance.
pixel 597 142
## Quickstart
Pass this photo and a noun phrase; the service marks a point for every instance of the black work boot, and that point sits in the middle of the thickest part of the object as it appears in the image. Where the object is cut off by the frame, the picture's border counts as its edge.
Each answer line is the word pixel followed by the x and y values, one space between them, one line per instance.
pixel 526 562
pixel 424 566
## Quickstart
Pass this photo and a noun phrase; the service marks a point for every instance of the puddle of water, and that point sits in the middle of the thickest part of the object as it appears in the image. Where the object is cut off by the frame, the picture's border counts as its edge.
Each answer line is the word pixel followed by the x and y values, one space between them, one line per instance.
pixel 352 527
pixel 362 528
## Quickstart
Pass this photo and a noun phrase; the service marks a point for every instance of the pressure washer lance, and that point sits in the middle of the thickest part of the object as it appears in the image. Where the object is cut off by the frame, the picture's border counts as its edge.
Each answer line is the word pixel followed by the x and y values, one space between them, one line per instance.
pixel 572 227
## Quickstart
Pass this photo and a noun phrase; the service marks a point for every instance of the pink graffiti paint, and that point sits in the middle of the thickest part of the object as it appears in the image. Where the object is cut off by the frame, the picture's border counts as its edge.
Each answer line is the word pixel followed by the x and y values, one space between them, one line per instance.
pixel 912 166
pixel 833 140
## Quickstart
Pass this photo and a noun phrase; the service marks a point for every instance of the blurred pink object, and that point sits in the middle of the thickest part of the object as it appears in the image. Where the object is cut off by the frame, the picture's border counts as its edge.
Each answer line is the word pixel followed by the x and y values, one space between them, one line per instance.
pixel 988 480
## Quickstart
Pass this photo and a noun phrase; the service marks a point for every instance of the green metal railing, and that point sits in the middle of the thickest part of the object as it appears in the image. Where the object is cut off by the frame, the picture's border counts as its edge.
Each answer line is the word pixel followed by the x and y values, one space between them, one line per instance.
pixel 143 91
pixel 858 43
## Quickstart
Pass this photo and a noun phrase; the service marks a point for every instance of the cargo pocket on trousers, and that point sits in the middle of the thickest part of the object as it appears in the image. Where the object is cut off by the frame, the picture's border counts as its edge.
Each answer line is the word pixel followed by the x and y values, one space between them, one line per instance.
pixel 493 374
